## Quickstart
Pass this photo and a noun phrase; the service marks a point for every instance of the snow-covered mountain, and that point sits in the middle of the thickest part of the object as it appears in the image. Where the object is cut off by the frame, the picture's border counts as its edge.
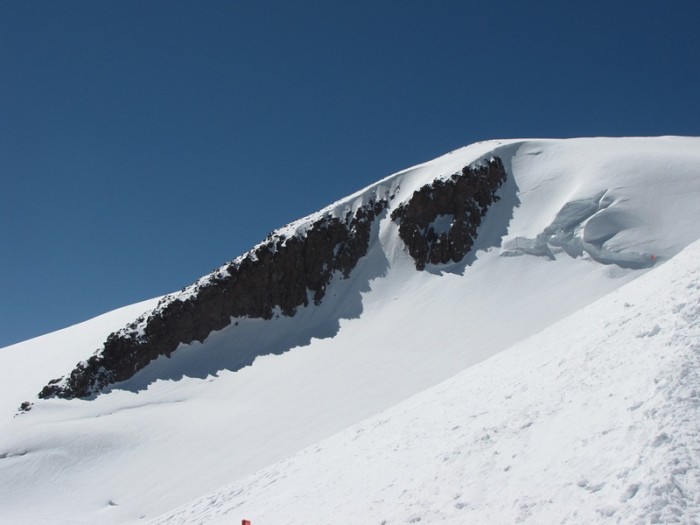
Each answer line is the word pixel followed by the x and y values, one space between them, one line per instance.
pixel 505 334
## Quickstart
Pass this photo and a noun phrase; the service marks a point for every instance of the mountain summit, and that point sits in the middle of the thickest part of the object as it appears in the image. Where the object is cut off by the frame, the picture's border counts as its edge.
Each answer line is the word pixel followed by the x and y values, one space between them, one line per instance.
pixel 368 309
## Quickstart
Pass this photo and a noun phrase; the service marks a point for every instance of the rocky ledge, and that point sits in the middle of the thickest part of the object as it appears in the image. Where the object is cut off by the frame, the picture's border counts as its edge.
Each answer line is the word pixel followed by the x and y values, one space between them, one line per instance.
pixel 439 222
pixel 281 273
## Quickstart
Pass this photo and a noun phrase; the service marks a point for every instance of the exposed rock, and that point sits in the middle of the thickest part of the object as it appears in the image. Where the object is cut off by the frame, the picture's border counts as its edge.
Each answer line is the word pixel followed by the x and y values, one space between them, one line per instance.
pixel 282 272
pixel 439 222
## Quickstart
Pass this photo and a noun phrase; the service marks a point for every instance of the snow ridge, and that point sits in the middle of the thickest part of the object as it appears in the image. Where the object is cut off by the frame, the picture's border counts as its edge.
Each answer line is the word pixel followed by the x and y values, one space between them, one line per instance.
pixel 284 273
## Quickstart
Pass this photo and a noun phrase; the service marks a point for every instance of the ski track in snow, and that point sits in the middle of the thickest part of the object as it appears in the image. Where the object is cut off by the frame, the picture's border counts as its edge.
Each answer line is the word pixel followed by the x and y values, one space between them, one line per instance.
pixel 591 420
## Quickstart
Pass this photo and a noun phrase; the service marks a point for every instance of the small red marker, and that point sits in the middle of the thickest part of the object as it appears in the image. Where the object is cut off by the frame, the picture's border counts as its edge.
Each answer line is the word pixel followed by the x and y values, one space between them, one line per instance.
pixel 245 522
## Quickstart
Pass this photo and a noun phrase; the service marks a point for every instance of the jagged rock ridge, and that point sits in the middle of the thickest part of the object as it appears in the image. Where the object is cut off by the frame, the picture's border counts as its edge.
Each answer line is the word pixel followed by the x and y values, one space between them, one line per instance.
pixel 439 223
pixel 285 272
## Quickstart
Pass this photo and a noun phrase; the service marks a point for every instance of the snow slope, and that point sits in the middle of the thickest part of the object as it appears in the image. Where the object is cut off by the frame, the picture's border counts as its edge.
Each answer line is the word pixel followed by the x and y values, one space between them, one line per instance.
pixel 594 420
pixel 185 426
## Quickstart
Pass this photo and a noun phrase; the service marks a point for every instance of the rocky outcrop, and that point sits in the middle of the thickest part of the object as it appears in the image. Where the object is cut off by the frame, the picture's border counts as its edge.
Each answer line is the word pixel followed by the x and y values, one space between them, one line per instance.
pixel 281 274
pixel 439 222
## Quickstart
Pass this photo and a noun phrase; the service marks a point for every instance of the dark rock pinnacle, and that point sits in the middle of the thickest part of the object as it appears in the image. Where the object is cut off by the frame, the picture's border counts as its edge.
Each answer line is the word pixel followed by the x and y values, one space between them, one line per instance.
pixel 439 222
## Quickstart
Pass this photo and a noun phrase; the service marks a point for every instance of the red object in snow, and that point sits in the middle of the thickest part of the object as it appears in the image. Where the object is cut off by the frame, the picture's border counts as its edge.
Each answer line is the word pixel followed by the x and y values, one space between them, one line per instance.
pixel 245 522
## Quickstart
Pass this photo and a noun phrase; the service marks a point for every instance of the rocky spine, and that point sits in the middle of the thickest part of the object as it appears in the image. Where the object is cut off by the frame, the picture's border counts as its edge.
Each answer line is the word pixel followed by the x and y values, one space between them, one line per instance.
pixel 438 224
pixel 282 272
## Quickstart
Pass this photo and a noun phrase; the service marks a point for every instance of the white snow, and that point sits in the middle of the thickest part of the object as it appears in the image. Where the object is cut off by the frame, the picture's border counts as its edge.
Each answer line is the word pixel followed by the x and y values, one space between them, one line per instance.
pixel 441 224
pixel 573 425
pixel 26 365
pixel 186 426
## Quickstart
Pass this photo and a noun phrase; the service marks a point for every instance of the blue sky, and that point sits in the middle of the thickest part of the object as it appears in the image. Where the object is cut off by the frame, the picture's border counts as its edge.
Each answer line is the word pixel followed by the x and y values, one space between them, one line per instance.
pixel 144 143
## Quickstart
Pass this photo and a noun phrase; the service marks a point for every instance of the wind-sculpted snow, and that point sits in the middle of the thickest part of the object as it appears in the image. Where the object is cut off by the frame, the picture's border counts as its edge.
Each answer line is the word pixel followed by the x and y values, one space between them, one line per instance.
pixel 583 225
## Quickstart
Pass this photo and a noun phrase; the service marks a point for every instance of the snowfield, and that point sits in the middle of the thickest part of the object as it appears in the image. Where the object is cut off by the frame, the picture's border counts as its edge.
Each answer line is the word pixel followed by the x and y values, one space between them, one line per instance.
pixel 594 420
pixel 550 377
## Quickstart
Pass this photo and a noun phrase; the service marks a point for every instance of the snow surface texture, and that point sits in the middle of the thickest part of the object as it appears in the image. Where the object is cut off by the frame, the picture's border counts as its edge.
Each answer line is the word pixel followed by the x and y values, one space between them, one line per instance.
pixel 568 232
pixel 186 426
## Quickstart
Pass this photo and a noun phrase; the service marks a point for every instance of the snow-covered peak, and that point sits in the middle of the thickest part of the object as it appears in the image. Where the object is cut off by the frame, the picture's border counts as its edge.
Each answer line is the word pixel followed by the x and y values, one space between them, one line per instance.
pixel 360 328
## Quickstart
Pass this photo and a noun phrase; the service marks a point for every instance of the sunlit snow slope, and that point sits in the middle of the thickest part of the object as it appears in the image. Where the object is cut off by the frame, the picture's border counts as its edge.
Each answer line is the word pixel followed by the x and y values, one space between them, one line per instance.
pixel 576 219
pixel 594 420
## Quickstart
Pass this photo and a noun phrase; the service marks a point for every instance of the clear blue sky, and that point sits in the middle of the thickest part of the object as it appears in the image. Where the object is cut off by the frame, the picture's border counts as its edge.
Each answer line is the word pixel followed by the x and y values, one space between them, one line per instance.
pixel 144 143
